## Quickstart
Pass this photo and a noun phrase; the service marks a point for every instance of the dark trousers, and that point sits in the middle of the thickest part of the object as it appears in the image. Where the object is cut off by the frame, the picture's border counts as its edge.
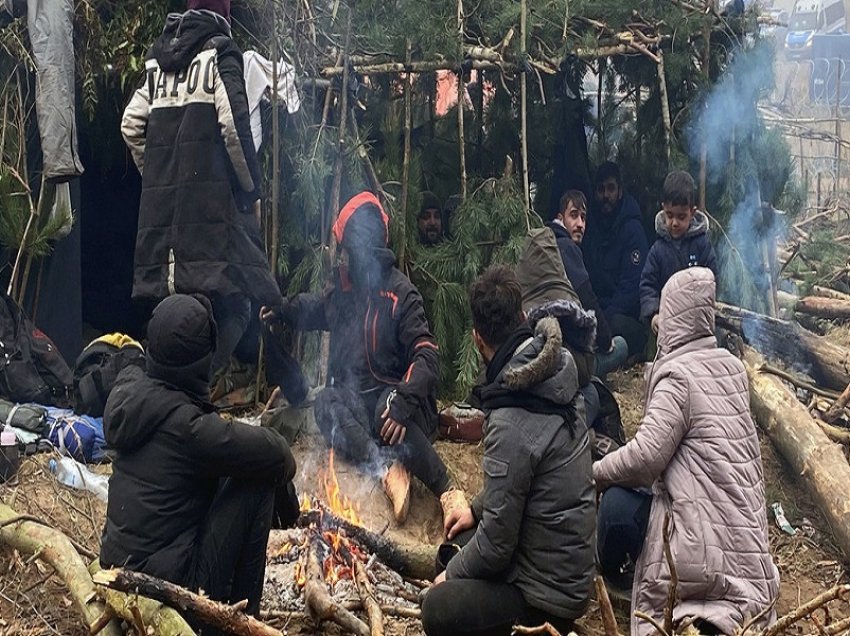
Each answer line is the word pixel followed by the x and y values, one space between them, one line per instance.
pixel 232 315
pixel 229 562
pixel 620 532
pixel 633 330
pixel 350 422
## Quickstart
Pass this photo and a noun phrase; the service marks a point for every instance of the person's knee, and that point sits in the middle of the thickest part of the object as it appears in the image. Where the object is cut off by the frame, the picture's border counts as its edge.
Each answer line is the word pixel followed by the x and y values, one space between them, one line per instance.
pixel 437 618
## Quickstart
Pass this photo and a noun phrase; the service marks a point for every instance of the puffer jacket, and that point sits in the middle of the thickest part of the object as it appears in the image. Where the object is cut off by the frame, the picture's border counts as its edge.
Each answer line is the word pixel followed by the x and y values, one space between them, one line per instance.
pixel 668 256
pixel 697 447
pixel 172 450
pixel 188 129
pixel 536 512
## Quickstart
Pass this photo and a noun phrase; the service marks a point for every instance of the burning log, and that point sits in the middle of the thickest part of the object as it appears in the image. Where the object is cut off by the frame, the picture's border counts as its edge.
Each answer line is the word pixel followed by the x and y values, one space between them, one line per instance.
pixel 830 308
pixel 229 619
pixel 414 560
pixel 819 462
pixel 829 363
pixel 367 595
pixel 320 605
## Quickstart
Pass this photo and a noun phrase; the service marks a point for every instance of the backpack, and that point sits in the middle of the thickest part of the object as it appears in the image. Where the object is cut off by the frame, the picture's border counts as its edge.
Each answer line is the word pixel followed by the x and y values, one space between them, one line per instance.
pixel 609 434
pixel 97 368
pixel 31 367
pixel 77 436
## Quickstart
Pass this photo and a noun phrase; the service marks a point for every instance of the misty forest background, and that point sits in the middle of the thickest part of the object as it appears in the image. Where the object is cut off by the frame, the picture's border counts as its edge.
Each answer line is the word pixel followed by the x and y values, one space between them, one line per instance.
pixel 593 91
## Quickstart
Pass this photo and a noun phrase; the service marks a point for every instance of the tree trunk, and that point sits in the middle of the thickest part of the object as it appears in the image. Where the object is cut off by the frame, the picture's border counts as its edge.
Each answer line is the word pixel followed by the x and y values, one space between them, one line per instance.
pixel 227 618
pixel 820 463
pixel 414 560
pixel 830 308
pixel 828 363
pixel 54 548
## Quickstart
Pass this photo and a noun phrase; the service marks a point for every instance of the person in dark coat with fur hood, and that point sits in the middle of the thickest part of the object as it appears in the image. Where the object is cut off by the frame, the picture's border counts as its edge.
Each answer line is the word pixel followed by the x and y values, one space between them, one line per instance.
pixel 527 554
pixel 188 130
pixel 192 496
pixel 379 408
pixel 683 242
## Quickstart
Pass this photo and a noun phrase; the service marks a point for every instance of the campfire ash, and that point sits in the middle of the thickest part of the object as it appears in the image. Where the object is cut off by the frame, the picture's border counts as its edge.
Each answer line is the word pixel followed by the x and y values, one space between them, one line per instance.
pixel 326 568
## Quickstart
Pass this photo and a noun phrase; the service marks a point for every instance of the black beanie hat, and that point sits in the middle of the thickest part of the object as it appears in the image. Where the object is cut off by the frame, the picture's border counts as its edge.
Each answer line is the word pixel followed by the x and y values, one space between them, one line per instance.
pixel 181 331
pixel 430 202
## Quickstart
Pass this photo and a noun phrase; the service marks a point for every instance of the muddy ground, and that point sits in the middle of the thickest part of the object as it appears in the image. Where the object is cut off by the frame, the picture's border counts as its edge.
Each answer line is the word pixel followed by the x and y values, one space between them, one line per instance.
pixel 33 601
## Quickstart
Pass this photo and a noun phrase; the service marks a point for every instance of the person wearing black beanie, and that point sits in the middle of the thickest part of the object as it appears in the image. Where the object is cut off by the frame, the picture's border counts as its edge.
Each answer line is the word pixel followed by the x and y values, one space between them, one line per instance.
pixel 192 496
pixel 429 221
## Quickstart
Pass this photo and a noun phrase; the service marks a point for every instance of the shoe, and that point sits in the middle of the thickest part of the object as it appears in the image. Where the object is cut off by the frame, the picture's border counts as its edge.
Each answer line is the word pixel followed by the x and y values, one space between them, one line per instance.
pixel 397 486
pixel 452 499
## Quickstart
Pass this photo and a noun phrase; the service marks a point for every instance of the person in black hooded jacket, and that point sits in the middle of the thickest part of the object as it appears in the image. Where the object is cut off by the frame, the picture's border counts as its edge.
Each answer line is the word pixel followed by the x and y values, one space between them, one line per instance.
pixel 188 129
pixel 379 408
pixel 192 496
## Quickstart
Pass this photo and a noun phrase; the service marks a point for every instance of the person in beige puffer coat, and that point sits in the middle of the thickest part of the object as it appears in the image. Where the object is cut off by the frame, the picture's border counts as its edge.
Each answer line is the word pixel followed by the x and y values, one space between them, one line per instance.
pixel 697 448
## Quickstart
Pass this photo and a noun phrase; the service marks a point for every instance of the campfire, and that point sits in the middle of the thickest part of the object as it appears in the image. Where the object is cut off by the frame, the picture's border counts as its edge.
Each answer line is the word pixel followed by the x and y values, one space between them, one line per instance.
pixel 336 569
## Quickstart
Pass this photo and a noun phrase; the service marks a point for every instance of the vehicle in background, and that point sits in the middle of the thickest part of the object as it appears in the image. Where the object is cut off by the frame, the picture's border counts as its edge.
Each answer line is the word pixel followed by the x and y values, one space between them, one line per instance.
pixel 810 18
pixel 776 26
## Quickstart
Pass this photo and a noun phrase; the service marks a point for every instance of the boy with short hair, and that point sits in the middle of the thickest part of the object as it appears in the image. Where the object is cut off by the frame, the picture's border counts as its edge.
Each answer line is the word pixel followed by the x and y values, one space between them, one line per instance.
pixel 682 243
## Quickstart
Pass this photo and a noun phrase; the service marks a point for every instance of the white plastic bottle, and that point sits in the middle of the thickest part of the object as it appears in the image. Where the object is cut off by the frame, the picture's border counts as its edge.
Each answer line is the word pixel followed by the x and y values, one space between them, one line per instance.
pixel 74 474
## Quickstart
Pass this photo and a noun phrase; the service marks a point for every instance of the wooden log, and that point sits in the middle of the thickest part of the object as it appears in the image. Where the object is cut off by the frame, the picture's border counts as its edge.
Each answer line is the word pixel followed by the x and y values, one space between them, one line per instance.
pixel 819 462
pixel 367 595
pixel 162 620
pixel 54 548
pixel 828 363
pixel 826 292
pixel 609 620
pixel 830 308
pixel 413 560
pixel 319 603
pixel 837 409
pixel 226 618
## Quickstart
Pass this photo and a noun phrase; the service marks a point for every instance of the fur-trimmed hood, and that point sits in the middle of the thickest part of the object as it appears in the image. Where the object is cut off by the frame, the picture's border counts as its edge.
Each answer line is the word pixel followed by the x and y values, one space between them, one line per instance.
pixel 578 326
pixel 541 366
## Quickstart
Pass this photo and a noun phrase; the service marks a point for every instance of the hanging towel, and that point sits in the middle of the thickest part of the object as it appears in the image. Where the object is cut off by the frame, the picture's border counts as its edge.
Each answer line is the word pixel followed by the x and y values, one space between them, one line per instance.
pixel 259 77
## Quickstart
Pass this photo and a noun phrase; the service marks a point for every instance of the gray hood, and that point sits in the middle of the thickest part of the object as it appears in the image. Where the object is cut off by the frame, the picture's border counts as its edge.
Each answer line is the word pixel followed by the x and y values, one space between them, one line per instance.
pixel 699 225
pixel 541 367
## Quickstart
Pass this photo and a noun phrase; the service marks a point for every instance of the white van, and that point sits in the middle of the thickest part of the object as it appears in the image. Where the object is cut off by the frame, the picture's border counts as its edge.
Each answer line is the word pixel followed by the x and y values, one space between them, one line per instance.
pixel 810 17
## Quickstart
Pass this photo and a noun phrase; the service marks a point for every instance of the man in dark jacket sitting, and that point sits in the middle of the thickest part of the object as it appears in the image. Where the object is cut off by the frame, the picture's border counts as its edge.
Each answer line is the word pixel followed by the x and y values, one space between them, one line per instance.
pixel 530 558
pixel 379 408
pixel 192 496
pixel 569 227
pixel 614 249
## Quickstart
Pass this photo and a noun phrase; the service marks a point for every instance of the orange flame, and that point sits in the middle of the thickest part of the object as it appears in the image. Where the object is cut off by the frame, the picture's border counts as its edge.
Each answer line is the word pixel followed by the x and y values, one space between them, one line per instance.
pixel 338 503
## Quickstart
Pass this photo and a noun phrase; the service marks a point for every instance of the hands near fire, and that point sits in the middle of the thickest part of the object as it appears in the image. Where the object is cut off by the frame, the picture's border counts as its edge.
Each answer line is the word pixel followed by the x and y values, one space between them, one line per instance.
pixel 458 520
pixel 655 324
pixel 392 432
pixel 441 578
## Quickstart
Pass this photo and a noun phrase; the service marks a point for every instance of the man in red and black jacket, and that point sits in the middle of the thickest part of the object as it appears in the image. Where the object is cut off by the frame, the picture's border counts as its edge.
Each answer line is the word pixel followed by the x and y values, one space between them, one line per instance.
pixel 379 408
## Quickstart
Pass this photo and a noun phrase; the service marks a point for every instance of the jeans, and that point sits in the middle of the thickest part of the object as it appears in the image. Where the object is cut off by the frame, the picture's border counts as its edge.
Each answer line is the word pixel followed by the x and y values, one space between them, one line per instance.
pixel 229 562
pixel 349 423
pixel 620 532
pixel 232 315
pixel 632 330
pixel 608 362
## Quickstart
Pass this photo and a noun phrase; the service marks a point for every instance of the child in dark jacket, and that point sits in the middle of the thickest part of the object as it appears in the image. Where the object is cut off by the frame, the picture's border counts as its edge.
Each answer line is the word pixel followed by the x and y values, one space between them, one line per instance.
pixel 682 243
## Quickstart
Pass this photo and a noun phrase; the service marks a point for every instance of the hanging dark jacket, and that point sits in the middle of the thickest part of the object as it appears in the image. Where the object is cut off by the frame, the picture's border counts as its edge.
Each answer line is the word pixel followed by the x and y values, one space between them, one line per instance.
pixel 537 512
pixel 172 449
pixel 614 249
pixel 188 129
pixel 577 273
pixel 668 256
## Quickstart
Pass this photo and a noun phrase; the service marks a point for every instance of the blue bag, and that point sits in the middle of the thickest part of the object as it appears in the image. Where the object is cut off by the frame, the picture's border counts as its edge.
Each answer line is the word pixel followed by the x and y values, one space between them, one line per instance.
pixel 78 436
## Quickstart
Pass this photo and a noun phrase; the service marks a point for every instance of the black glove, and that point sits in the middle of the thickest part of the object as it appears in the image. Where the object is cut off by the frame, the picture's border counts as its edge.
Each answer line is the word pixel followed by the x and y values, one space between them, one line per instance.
pixel 286 506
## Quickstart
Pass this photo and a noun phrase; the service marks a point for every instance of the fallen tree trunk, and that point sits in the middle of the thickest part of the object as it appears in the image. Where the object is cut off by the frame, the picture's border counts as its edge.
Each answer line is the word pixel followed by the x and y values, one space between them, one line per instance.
pixel 830 308
pixel 54 548
pixel 414 560
pixel 819 462
pixel 227 618
pixel 828 363
pixel 163 620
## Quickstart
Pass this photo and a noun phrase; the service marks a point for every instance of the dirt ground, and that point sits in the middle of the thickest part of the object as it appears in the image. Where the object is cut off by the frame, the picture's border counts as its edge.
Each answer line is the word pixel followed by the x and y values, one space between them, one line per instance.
pixel 33 601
